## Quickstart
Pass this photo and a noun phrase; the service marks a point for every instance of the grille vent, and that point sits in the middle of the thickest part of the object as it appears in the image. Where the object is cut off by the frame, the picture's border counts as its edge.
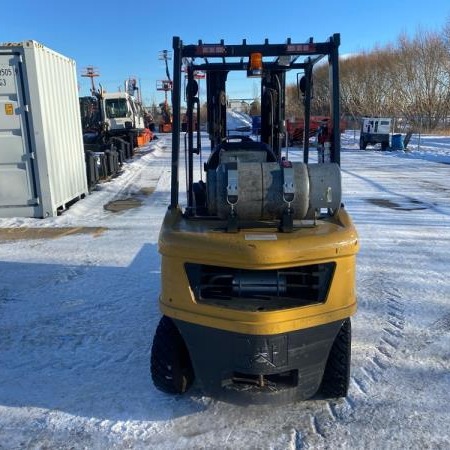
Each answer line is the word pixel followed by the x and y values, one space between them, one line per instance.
pixel 260 290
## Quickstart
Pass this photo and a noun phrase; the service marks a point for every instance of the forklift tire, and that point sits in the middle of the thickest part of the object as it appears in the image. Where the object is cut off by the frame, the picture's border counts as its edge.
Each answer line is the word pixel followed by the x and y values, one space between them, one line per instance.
pixel 336 376
pixel 170 363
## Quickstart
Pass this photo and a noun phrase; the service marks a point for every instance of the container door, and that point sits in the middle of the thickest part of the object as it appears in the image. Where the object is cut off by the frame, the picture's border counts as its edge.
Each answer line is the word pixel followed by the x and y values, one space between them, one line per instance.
pixel 17 180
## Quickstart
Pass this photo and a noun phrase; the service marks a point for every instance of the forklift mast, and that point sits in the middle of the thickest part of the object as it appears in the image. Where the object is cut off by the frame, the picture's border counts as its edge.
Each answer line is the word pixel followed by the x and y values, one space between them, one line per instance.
pixel 217 60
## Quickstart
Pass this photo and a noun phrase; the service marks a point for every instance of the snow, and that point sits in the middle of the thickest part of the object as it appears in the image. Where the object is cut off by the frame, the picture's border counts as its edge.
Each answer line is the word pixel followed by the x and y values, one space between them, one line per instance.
pixel 78 313
pixel 238 121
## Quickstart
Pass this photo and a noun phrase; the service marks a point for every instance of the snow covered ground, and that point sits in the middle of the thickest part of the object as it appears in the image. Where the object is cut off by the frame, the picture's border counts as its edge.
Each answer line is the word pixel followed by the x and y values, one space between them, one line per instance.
pixel 78 313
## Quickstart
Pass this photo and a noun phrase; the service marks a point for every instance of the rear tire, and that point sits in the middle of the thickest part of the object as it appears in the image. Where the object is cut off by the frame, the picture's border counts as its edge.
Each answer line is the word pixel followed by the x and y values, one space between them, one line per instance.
pixel 362 144
pixel 170 363
pixel 336 377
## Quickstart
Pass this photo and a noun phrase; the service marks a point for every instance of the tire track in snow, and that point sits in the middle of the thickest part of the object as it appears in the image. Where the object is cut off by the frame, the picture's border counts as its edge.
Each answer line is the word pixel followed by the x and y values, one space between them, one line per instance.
pixel 332 411
pixel 296 440
pixel 391 335
pixel 431 334
pixel 366 377
pixel 325 418
pixel 389 341
pixel 359 384
pixel 316 427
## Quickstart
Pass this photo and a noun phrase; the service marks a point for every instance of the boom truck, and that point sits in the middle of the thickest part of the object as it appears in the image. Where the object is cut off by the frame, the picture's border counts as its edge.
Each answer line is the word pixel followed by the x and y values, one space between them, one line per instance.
pixel 113 125
pixel 112 114
pixel 258 265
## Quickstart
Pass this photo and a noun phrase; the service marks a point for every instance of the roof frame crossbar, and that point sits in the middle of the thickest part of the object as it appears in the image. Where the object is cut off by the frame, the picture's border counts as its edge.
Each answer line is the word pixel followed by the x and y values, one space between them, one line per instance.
pixel 227 54
pixel 221 50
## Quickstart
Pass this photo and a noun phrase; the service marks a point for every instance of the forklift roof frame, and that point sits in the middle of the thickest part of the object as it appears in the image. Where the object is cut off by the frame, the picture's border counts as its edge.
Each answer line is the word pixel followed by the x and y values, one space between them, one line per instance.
pixel 187 55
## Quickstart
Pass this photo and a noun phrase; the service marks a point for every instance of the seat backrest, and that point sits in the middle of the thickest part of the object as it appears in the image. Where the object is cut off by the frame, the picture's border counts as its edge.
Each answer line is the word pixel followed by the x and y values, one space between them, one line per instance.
pixel 236 148
pixel 240 155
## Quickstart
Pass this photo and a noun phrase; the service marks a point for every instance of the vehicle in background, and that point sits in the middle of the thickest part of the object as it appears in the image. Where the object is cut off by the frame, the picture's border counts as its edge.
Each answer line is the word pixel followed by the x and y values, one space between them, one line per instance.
pixel 113 125
pixel 375 130
pixel 165 124
pixel 122 113
pixel 108 114
pixel 295 128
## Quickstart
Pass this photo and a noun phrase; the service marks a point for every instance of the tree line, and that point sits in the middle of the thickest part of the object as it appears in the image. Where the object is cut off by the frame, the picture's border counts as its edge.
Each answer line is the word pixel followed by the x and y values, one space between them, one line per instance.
pixel 408 81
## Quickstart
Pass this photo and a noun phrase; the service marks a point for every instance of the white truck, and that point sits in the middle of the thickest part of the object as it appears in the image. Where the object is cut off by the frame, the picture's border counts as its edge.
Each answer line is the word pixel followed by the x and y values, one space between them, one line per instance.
pixel 375 130
pixel 122 113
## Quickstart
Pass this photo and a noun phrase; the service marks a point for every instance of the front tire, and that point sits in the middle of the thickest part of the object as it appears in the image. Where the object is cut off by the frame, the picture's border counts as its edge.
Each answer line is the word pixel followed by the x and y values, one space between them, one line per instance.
pixel 170 363
pixel 336 376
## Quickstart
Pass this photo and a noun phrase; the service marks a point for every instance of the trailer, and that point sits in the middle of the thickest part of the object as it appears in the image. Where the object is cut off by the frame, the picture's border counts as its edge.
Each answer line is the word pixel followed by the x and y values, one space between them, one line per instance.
pixel 295 128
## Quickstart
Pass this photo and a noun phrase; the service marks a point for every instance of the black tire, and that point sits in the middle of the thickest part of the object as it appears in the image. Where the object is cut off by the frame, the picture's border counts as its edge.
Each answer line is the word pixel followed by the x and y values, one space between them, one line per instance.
pixel 362 144
pixel 336 377
pixel 384 146
pixel 170 363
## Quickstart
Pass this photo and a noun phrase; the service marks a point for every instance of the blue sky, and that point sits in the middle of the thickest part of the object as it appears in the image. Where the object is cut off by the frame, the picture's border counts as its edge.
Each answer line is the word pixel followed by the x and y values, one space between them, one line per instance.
pixel 124 39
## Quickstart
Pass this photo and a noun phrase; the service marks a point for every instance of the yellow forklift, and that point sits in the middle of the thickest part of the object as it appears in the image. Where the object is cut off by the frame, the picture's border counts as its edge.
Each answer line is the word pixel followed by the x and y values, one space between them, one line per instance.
pixel 258 268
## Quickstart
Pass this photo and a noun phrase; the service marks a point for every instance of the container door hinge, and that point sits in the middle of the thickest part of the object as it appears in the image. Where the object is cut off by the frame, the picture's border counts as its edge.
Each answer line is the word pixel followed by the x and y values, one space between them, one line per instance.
pixel 33 202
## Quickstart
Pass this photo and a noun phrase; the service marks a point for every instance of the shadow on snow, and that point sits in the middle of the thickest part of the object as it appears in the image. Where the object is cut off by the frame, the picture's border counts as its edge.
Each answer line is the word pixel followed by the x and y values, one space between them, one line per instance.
pixel 77 339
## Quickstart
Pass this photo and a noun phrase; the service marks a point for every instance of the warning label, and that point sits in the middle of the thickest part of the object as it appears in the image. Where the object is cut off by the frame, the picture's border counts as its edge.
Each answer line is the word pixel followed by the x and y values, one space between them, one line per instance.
pixel 9 109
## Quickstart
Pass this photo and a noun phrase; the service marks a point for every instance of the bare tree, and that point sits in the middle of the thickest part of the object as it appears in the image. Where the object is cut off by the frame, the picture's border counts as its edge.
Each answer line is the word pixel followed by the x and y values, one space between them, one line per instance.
pixel 410 79
pixel 294 105
pixel 422 82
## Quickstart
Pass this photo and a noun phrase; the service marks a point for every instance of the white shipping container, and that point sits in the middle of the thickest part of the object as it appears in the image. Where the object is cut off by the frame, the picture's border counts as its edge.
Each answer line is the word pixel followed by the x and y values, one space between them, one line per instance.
pixel 42 166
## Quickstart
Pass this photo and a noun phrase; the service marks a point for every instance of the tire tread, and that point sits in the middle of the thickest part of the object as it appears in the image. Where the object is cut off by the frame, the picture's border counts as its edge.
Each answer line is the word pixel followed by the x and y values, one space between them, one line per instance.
pixel 170 364
pixel 336 376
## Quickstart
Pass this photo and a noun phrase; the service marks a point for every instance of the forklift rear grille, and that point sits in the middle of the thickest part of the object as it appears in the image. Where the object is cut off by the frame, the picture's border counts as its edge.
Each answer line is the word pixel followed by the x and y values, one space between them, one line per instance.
pixel 260 290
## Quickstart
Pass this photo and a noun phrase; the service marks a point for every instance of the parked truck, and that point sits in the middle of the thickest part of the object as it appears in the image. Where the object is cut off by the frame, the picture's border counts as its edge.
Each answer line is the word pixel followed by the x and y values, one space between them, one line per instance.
pixel 122 113
pixel 107 114
pixel 113 125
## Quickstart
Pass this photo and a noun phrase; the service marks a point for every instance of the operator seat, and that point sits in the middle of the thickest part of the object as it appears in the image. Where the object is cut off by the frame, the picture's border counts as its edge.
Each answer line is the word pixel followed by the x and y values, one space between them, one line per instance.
pixel 245 150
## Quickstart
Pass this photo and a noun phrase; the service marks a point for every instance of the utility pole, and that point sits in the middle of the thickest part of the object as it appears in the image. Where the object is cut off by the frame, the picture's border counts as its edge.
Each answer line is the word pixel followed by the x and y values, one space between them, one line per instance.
pixel 166 86
pixel 91 72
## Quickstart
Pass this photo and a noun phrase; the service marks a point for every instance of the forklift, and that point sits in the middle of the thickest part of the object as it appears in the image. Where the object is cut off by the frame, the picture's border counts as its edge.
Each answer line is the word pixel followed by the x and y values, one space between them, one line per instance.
pixel 258 265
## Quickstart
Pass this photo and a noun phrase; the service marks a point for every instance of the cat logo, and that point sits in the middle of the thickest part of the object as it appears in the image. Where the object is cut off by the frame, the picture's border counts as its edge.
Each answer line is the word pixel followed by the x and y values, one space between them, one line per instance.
pixel 9 109
pixel 261 358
